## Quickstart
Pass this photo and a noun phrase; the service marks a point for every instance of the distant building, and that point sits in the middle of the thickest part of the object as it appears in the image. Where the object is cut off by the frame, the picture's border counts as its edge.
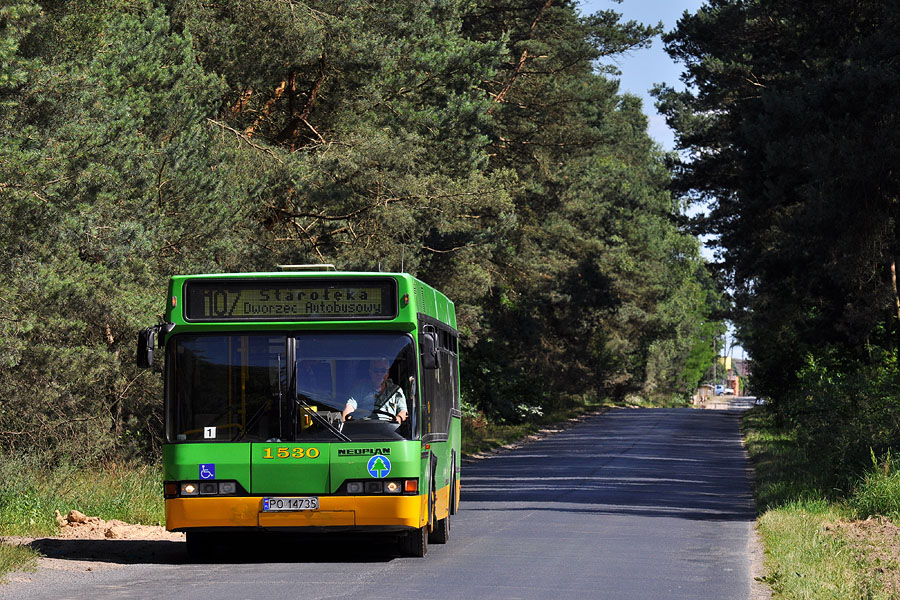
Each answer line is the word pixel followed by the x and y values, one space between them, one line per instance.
pixel 742 367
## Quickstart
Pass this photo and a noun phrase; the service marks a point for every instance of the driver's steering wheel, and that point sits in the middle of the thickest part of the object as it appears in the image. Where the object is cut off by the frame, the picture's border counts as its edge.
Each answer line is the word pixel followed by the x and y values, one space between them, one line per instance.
pixel 393 418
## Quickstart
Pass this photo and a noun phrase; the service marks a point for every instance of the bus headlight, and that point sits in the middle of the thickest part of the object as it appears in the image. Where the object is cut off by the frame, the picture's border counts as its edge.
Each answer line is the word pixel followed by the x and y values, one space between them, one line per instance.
pixel 380 486
pixel 202 488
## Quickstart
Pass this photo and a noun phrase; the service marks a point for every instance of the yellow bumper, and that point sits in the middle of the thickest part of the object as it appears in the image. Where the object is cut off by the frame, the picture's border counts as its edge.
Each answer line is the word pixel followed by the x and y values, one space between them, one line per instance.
pixel 334 511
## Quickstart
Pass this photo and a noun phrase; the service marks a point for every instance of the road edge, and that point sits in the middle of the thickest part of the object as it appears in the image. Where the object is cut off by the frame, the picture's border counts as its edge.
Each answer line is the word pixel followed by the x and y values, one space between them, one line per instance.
pixel 540 434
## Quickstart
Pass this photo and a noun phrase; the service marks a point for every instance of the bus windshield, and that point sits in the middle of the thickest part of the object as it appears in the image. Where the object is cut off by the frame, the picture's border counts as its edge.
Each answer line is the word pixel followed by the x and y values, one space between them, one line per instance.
pixel 369 377
pixel 276 387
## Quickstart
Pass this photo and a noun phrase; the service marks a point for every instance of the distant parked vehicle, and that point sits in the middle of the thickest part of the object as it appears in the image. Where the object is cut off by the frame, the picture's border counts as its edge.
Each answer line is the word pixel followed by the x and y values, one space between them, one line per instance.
pixel 720 389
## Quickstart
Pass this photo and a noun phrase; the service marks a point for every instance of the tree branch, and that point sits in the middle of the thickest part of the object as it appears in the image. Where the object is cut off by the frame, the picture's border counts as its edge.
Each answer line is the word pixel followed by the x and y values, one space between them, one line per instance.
pixel 500 97
pixel 279 91
pixel 245 138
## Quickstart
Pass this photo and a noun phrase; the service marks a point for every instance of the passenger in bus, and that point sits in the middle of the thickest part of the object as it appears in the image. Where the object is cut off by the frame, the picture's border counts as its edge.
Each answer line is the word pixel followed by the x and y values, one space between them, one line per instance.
pixel 384 398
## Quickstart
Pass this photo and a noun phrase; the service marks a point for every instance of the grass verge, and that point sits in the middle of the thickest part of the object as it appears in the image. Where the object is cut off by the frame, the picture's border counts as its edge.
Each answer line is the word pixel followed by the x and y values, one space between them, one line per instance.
pixel 16 558
pixel 482 435
pixel 804 526
pixel 31 495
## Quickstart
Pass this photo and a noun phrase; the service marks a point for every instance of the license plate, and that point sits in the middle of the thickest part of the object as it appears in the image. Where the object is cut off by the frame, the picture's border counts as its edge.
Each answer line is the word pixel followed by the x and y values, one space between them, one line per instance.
pixel 290 503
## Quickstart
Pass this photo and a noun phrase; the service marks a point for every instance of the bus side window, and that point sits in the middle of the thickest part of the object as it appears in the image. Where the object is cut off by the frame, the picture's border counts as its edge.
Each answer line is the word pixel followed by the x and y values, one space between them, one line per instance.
pixel 430 343
pixel 439 385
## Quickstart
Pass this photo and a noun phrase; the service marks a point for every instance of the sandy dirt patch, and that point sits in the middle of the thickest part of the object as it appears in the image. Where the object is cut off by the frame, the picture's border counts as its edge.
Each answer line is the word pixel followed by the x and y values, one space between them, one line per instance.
pixel 79 526
pixel 876 541
pixel 93 544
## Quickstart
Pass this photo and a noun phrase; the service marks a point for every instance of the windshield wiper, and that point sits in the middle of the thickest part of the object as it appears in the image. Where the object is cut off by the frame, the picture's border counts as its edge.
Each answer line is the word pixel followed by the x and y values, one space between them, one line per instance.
pixel 322 420
pixel 253 419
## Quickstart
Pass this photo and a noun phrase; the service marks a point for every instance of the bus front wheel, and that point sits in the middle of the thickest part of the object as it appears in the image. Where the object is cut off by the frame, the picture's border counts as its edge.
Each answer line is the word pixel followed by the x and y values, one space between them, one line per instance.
pixel 415 542
pixel 441 532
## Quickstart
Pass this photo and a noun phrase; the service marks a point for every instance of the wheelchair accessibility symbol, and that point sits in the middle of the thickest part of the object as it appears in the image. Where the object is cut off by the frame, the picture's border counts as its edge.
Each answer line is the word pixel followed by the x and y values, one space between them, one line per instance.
pixel 208 471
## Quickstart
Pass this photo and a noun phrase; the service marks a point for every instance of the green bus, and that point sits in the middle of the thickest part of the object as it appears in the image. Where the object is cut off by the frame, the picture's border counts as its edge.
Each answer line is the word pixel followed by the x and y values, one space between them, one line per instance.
pixel 309 401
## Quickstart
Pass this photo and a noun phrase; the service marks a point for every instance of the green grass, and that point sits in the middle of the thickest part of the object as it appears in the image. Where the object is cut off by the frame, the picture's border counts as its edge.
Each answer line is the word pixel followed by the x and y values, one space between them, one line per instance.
pixel 479 435
pixel 878 493
pixel 783 473
pixel 31 495
pixel 16 558
pixel 656 401
pixel 806 556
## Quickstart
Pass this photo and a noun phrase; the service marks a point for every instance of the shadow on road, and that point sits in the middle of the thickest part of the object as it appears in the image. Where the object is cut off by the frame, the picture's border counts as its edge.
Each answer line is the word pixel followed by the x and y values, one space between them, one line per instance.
pixel 668 463
pixel 242 548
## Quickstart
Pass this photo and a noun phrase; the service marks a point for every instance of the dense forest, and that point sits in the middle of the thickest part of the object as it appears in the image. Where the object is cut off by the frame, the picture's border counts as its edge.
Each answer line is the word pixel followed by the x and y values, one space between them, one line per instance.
pixel 483 146
pixel 788 132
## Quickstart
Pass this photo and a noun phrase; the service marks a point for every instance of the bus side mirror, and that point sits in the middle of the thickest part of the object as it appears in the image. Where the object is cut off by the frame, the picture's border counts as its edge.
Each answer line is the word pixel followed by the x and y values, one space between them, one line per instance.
pixel 145 345
pixel 429 350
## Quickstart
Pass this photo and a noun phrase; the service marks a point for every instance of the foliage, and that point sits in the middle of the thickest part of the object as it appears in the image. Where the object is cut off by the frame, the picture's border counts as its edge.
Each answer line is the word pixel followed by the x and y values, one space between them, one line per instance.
pixel 786 135
pixel 480 146
pixel 878 491
pixel 844 412
pixel 595 282
pixel 108 187
pixel 807 556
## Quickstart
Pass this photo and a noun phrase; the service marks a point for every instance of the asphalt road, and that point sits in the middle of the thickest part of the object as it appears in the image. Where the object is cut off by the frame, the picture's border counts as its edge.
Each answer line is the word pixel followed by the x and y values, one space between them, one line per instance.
pixel 632 504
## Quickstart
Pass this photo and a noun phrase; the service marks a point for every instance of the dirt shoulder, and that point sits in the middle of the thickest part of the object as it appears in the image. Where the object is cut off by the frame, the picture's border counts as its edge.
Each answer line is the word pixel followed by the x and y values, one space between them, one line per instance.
pixel 91 544
pixel 77 525
pixel 876 543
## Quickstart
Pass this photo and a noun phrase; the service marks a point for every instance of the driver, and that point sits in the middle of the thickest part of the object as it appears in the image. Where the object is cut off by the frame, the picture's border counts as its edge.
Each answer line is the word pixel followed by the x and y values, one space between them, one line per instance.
pixel 384 396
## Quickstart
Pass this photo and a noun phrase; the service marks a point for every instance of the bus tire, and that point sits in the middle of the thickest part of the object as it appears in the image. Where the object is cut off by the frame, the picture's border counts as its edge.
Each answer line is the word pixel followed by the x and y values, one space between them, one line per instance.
pixel 440 528
pixel 454 492
pixel 415 542
pixel 441 532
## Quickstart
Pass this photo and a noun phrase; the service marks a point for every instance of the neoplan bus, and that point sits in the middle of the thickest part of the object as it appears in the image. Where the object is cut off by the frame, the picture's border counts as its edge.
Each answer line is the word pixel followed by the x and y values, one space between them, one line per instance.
pixel 261 432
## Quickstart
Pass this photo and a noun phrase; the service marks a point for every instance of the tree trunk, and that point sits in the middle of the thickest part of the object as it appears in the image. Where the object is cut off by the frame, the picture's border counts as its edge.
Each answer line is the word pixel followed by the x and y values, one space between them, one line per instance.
pixel 896 304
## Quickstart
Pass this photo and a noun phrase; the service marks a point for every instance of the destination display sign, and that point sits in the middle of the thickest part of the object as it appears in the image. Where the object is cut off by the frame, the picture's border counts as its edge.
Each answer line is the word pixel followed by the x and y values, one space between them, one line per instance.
pixel 289 299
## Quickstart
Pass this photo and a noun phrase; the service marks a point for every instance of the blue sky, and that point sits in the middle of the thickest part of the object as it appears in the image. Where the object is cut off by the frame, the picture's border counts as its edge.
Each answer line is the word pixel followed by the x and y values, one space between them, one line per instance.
pixel 642 69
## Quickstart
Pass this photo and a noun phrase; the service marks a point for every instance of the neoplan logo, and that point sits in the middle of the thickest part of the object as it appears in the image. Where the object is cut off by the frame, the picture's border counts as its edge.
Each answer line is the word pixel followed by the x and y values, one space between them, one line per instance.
pixel 362 451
